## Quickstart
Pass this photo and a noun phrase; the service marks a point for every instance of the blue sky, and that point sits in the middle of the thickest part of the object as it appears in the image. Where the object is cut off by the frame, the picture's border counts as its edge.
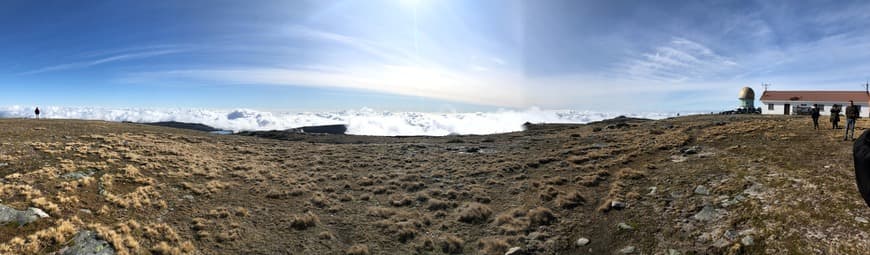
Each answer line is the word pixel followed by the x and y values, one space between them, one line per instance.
pixel 425 55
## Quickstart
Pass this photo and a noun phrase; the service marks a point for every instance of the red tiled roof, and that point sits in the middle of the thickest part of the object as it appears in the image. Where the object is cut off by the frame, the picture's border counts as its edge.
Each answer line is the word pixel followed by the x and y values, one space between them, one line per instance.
pixel 815 96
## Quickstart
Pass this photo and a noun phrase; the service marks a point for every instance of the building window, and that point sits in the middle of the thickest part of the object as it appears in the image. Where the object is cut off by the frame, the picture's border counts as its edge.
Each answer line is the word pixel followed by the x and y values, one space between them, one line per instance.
pixel 770 107
pixel 821 107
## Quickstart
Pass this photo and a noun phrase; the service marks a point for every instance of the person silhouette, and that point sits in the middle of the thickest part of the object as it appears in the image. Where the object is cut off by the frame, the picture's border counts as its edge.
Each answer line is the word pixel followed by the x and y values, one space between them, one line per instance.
pixel 36 112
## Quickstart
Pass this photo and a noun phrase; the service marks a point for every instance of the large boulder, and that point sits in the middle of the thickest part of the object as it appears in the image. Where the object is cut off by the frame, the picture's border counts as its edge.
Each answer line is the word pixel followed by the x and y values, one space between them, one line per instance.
pixel 9 214
pixel 87 242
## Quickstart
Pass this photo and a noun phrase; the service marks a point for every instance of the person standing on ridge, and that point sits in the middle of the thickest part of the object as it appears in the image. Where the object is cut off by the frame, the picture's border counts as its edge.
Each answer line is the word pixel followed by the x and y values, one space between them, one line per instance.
pixel 835 116
pixel 36 112
pixel 815 116
pixel 851 117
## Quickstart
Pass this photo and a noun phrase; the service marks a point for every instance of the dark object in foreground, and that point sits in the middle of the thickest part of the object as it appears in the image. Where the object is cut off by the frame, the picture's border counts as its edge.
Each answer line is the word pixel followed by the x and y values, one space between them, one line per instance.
pixel 861 154
pixel 184 125
pixel 338 129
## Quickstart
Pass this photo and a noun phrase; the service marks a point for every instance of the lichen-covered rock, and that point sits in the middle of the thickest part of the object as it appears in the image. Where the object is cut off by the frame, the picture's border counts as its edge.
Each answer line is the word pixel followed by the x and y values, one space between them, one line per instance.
pixel 87 242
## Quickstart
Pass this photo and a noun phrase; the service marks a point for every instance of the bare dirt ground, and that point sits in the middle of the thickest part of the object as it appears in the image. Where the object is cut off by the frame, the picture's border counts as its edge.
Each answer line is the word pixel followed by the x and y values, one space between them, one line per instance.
pixel 690 185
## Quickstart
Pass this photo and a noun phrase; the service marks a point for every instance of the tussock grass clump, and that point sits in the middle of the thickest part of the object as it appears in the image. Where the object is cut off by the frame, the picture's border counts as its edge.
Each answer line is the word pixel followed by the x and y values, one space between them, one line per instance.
pixel 437 205
pixel 400 200
pixel 570 200
pixel 37 242
pixel 512 222
pixel 474 213
pixel 451 244
pixel 629 173
pixel 325 235
pixel 493 246
pixel 304 221
pixel 382 212
pixel 541 216
pixel 358 249
pixel 548 193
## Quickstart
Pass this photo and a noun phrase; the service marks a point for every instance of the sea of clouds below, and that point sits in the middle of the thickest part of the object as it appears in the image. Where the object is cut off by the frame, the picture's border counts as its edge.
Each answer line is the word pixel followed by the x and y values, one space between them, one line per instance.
pixel 359 122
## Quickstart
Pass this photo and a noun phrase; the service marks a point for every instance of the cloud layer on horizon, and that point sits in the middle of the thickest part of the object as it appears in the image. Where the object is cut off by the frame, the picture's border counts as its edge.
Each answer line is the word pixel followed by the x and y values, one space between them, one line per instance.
pixel 360 122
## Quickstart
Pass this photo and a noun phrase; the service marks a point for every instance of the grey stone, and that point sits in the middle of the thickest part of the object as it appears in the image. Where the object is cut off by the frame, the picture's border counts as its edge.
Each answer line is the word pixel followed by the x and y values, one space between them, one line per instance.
pixel 628 250
pixel 86 211
pixel 623 226
pixel 721 243
pixel 701 190
pixel 691 150
pixel 730 234
pixel 747 241
pixel 861 219
pixel 9 214
pixel 754 190
pixel 618 205
pixel 514 251
pixel 582 241
pixel 706 214
pixel 673 252
pixel 87 242
pixel 77 175
pixel 678 158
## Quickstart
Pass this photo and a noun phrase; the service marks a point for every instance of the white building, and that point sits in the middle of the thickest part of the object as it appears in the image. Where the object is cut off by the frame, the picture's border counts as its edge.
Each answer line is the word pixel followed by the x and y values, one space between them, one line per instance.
pixel 799 102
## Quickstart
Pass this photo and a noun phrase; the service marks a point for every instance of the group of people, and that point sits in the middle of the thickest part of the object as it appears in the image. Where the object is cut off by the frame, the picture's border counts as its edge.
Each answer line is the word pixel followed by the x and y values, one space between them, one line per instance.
pixel 852 115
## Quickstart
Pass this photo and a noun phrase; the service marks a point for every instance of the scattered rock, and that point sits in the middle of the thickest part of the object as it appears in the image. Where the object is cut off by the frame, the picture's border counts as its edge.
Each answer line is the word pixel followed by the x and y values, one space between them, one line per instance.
pixel 9 214
pixel 730 234
pixel 691 150
pixel 827 166
pixel 188 197
pixel 747 241
pixel 618 205
pixel 729 202
pixel 721 243
pixel 87 242
pixel 86 211
pixel 701 190
pixel 623 226
pixel 4 164
pixel 38 212
pixel 678 158
pixel 861 219
pixel 628 250
pixel 514 251
pixel 77 175
pixel 754 190
pixel 582 241
pixel 706 214
pixel 673 252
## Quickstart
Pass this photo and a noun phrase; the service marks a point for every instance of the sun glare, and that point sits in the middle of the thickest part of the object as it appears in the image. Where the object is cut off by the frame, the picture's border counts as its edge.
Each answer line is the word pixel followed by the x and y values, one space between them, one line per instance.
pixel 411 3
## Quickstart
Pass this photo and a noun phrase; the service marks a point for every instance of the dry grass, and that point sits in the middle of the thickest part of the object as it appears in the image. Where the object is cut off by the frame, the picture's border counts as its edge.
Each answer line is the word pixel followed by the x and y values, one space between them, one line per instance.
pixel 451 244
pixel 493 246
pixel 304 221
pixel 358 249
pixel 474 213
pixel 164 191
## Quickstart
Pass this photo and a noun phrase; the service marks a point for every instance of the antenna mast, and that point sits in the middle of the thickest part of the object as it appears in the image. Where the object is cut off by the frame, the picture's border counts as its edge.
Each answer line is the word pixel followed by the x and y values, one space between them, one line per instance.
pixel 765 85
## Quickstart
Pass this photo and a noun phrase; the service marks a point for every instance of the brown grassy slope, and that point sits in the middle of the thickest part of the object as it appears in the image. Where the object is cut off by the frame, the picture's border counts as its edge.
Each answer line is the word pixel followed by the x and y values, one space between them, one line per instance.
pixel 161 190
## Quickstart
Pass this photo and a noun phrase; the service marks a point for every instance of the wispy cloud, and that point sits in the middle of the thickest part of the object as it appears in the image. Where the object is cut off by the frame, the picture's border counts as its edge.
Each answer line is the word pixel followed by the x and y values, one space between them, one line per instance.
pixel 678 61
pixel 104 60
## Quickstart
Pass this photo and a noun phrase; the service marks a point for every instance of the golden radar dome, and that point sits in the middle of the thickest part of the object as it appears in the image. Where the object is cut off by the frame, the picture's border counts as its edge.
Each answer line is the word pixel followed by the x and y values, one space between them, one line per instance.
pixel 747 93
